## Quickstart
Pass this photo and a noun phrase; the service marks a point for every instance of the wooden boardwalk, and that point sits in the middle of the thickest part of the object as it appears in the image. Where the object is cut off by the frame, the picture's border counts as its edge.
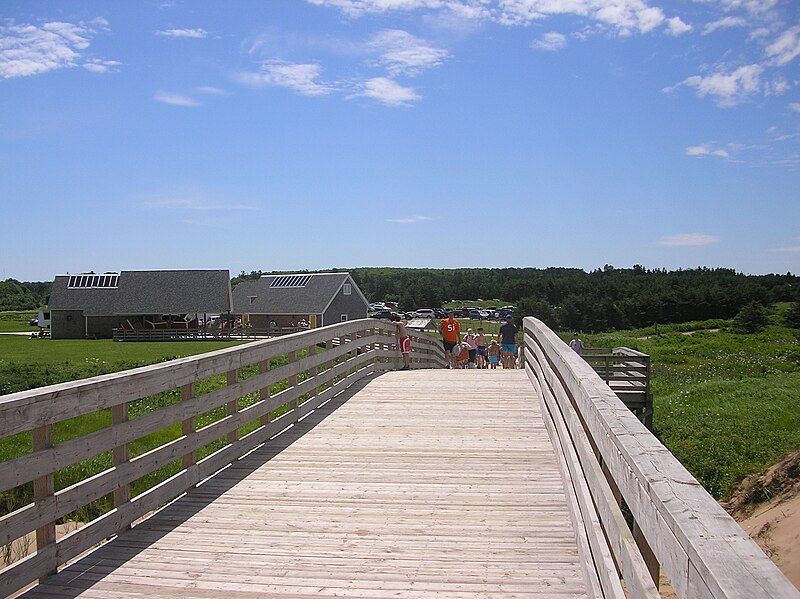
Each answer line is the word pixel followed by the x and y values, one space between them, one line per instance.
pixel 426 483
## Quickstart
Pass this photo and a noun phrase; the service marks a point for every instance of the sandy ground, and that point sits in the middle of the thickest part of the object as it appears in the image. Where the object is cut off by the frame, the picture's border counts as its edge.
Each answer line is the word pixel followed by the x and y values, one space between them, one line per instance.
pixel 775 526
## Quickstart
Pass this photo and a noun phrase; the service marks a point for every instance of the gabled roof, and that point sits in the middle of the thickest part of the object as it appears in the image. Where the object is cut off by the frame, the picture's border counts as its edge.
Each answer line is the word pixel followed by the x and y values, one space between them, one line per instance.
pixel 312 298
pixel 149 292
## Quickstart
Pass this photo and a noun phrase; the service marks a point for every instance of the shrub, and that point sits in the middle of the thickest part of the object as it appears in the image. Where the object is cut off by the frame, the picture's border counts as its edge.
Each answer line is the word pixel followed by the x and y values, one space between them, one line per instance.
pixel 792 316
pixel 751 319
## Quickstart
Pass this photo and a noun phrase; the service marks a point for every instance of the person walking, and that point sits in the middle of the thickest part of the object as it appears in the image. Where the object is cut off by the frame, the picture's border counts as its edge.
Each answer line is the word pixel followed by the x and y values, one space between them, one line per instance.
pixel 493 353
pixel 404 344
pixel 508 342
pixel 577 345
pixel 451 334
pixel 472 347
pixel 480 339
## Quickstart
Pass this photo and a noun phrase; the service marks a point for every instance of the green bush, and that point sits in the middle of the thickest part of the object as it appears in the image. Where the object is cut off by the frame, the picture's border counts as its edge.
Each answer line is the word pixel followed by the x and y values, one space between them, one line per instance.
pixel 752 318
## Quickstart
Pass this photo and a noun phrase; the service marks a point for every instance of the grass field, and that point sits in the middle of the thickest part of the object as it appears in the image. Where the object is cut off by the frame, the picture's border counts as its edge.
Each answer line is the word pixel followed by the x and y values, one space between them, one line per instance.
pixel 727 405
pixel 16 321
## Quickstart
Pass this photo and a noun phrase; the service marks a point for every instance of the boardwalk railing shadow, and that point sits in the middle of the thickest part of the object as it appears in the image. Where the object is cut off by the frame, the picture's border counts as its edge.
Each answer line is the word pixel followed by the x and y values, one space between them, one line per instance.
pixel 103 561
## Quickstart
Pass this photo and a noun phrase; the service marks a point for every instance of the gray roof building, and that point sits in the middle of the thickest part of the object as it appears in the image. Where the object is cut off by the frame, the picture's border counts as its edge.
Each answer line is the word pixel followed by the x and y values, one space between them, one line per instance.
pixel 301 294
pixel 144 292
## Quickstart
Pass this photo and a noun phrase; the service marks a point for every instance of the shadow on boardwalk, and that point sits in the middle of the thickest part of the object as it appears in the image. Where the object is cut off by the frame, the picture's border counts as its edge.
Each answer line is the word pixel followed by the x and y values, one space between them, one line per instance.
pixel 88 571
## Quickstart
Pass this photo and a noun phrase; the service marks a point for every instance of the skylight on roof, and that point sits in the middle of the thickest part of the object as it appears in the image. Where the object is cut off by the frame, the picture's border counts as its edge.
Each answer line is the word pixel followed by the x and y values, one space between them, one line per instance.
pixel 106 281
pixel 286 281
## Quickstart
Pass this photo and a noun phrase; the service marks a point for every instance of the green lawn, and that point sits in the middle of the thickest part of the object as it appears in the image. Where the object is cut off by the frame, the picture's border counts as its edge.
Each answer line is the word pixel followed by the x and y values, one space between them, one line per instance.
pixel 727 405
pixel 16 321
pixel 28 363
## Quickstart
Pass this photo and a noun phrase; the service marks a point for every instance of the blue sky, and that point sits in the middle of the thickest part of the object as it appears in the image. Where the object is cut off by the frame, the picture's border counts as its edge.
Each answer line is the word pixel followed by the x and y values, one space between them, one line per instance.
pixel 443 133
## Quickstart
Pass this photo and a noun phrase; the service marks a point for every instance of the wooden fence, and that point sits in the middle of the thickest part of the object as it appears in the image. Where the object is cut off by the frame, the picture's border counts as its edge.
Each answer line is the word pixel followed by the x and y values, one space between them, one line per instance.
pixel 243 333
pixel 627 372
pixel 310 367
pixel 608 457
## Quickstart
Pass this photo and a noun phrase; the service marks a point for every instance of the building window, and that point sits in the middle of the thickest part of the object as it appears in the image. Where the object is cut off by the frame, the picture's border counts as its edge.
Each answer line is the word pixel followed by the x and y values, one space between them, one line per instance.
pixel 252 299
pixel 344 317
pixel 347 289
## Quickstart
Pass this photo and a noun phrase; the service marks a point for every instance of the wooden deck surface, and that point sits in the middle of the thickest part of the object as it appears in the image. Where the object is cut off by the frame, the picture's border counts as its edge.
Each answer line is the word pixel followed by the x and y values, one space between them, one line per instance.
pixel 427 483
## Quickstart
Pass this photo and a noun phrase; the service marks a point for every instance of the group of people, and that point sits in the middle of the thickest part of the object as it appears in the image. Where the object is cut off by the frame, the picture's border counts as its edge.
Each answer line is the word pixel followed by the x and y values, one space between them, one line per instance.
pixel 475 350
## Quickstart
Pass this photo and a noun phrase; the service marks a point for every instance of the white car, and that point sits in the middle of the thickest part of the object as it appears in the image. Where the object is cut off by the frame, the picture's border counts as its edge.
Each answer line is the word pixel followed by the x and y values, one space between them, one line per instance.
pixel 424 313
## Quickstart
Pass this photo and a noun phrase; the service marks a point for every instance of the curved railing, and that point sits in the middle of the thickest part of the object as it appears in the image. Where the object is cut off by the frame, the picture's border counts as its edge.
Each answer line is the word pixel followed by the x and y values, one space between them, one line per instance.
pixel 253 392
pixel 607 457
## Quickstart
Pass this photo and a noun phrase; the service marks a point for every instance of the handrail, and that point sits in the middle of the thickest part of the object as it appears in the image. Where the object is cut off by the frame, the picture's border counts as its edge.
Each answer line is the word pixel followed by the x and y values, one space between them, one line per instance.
pixel 678 527
pixel 335 357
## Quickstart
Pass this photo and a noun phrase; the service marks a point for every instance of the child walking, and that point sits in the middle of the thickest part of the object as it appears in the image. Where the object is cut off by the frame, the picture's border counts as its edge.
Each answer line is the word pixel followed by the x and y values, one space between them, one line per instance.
pixel 480 354
pixel 493 353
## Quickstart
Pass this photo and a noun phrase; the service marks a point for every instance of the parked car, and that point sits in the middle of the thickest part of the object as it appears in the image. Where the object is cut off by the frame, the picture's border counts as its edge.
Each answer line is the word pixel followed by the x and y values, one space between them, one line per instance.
pixel 425 313
pixel 485 314
pixel 385 315
pixel 439 313
pixel 474 313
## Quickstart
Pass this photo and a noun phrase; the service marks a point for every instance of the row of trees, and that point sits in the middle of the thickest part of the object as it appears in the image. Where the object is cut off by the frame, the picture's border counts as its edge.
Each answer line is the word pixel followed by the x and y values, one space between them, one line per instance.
pixel 23 296
pixel 565 298
pixel 570 298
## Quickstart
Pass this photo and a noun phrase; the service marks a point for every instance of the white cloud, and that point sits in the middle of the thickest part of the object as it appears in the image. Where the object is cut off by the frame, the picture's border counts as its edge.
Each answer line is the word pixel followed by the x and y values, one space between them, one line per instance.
pixel 688 240
pixel 404 54
pixel 97 65
pixel 727 89
pixel 721 153
pixel 626 16
pixel 389 92
pixel 301 78
pixel 676 27
pixel 174 99
pixel 550 42
pixel 724 23
pixel 211 91
pixel 357 8
pixel 410 219
pixel 702 150
pixel 776 87
pixel 183 33
pixel 785 48
pixel 787 250
pixel 27 50
pixel 794 106
pixel 758 7
pixel 193 202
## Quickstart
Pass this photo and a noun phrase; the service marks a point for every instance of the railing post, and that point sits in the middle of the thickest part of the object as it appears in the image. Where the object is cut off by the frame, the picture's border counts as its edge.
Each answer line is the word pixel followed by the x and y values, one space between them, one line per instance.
pixel 119 455
pixel 188 426
pixel 330 364
pixel 263 393
pixel 43 487
pixel 312 372
pixel 650 559
pixel 232 406
pixel 293 383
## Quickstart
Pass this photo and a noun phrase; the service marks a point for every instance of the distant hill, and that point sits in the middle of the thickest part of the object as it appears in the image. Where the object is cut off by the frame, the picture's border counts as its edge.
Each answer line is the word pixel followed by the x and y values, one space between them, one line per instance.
pixel 15 295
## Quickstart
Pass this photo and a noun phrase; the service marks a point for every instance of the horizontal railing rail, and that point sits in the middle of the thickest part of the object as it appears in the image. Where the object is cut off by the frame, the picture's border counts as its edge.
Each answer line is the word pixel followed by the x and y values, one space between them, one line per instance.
pixel 253 392
pixel 608 458
pixel 209 334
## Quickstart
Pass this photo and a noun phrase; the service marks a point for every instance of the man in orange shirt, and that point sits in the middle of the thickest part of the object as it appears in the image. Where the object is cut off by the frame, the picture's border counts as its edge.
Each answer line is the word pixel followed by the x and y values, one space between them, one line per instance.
pixel 451 334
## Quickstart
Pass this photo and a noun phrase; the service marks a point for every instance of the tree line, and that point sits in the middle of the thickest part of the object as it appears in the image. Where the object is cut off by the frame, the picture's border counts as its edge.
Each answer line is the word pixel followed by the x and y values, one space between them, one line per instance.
pixel 571 298
pixel 564 298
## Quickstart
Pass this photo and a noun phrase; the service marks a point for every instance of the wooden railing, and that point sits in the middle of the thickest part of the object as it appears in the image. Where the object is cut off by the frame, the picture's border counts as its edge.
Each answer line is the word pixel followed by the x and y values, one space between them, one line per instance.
pixel 627 372
pixel 288 378
pixel 608 457
pixel 202 334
